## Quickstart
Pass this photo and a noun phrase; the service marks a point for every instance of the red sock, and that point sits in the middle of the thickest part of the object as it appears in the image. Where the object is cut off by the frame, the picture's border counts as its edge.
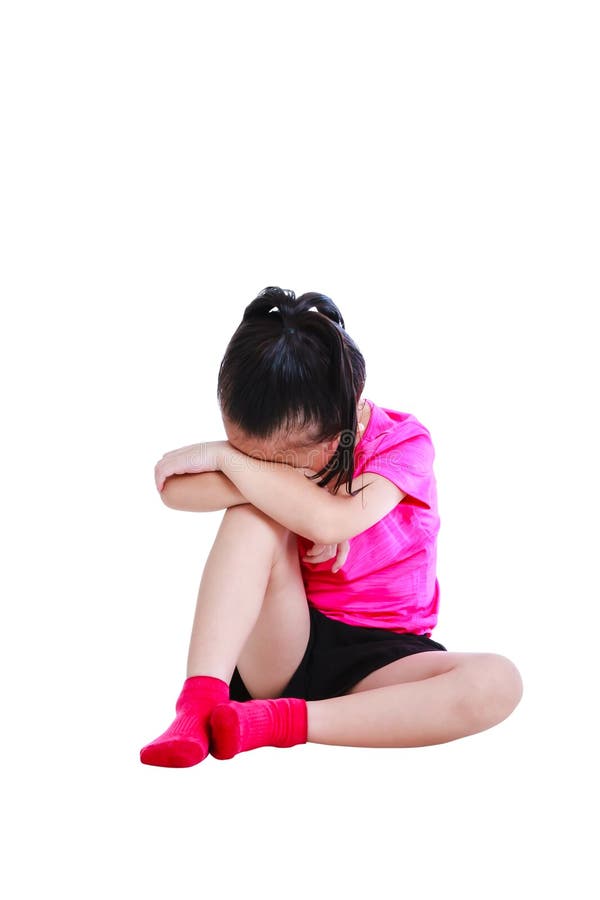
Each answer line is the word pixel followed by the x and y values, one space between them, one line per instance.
pixel 235 727
pixel 186 740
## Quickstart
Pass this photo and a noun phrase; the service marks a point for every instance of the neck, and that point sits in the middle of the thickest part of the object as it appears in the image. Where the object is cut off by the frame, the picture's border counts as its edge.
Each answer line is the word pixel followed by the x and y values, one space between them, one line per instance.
pixel 360 414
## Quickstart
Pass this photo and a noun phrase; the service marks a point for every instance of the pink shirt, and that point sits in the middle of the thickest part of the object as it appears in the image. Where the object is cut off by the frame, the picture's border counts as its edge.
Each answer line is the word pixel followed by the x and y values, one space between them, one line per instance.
pixel 389 578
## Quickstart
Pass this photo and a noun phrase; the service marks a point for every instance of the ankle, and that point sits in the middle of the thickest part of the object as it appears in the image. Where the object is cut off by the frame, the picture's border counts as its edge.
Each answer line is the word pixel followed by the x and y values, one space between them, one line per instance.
pixel 206 690
pixel 235 727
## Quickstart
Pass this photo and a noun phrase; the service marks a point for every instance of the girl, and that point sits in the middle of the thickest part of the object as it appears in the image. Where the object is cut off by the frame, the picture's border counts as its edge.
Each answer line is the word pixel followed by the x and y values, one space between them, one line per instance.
pixel 316 604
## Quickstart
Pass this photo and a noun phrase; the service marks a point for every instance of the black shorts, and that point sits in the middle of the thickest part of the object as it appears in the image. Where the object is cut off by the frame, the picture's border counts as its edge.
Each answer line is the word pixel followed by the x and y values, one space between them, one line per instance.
pixel 338 656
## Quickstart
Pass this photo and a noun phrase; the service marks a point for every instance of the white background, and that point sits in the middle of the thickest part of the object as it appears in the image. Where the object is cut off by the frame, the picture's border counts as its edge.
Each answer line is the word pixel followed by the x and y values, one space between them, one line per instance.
pixel 433 168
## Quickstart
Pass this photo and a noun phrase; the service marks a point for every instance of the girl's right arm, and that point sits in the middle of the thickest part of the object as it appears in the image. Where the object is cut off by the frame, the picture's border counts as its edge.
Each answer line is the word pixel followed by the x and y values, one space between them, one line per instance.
pixel 204 491
pixel 201 492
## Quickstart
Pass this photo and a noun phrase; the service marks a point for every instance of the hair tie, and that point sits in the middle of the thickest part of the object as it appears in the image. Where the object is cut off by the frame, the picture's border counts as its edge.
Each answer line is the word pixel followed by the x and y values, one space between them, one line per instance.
pixel 289 330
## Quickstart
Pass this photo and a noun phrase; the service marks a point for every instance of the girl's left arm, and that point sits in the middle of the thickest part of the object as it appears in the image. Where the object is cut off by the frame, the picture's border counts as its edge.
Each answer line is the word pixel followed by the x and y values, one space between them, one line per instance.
pixel 281 491
pixel 285 494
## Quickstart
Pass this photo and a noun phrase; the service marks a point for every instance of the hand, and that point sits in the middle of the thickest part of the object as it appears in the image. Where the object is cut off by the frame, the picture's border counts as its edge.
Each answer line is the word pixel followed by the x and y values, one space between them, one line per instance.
pixel 321 552
pixel 187 460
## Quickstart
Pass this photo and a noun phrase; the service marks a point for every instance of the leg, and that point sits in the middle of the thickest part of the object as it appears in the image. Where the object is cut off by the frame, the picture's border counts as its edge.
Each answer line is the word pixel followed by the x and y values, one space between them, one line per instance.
pixel 251 609
pixel 459 694
pixel 251 601
pixel 436 697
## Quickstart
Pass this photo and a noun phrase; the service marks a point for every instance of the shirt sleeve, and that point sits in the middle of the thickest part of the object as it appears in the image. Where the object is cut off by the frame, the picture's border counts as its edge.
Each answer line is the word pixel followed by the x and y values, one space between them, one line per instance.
pixel 408 463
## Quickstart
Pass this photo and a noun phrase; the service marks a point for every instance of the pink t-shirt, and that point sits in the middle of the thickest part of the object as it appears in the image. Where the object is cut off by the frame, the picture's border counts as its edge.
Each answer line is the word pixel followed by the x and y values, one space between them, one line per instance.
pixel 389 578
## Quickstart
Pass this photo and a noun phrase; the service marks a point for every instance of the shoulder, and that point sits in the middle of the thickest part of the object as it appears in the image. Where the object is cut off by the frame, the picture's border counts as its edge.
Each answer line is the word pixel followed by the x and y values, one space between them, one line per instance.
pixel 399 448
pixel 399 434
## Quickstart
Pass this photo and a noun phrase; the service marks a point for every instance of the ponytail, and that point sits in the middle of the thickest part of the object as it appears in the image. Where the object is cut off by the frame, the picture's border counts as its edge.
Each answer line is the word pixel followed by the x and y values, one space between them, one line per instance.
pixel 291 364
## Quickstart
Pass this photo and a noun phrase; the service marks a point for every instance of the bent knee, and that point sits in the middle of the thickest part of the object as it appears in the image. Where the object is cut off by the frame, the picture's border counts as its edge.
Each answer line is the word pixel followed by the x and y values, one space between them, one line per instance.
pixel 509 679
pixel 250 513
pixel 496 688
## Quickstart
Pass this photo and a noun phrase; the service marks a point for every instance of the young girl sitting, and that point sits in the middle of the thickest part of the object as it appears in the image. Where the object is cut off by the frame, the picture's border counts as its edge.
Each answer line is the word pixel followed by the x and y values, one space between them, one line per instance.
pixel 318 598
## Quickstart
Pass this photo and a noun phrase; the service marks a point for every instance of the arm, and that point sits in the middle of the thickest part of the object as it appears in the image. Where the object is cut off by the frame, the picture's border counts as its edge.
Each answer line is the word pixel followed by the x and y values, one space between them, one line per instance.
pixel 350 516
pixel 284 493
pixel 200 492
pixel 281 491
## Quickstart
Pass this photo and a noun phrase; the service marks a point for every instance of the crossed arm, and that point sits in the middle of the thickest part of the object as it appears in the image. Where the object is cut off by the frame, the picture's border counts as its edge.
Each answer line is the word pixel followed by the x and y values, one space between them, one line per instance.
pixel 284 493
pixel 204 492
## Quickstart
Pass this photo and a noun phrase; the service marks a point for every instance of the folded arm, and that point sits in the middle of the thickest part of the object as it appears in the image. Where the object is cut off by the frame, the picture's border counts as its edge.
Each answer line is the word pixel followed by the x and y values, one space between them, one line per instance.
pixel 281 491
pixel 201 492
pixel 288 496
pixel 351 515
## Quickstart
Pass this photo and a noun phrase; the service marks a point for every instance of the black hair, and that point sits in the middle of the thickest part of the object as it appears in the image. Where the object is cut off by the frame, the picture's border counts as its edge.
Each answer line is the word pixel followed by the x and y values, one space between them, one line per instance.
pixel 291 364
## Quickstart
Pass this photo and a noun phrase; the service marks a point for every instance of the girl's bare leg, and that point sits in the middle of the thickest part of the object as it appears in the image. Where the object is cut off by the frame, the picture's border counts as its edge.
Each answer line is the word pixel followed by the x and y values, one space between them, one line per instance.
pixel 251 602
pixel 478 692
pixel 253 561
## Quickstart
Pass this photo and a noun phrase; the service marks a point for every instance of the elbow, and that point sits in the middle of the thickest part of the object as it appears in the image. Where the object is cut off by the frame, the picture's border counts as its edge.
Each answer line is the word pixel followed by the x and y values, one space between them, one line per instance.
pixel 168 495
pixel 317 537
pixel 335 528
pixel 166 499
pixel 328 531
pixel 332 537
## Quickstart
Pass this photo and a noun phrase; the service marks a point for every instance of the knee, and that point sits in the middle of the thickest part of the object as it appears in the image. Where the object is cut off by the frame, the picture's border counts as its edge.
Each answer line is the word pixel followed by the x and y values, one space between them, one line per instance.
pixel 497 688
pixel 249 511
pixel 251 516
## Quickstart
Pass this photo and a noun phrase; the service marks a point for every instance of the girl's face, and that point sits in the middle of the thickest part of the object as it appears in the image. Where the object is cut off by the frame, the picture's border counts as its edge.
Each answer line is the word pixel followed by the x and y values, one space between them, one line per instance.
pixel 297 449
